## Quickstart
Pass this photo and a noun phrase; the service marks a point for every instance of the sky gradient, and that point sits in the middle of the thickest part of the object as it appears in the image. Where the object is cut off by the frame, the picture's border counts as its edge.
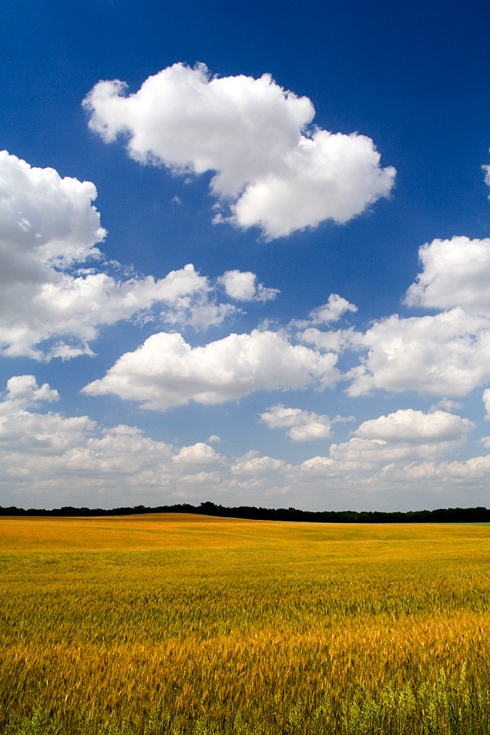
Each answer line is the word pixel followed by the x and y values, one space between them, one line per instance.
pixel 245 254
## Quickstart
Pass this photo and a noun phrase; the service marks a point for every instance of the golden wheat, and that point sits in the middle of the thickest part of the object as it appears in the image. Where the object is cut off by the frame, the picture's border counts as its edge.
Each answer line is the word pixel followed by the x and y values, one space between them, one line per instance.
pixel 198 625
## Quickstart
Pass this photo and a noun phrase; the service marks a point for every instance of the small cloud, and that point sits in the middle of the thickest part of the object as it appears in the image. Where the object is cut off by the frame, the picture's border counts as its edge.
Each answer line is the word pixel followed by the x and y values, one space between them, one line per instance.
pixel 242 286
pixel 446 405
pixel 24 391
pixel 199 453
pixel 343 419
pixel 486 401
pixel 303 425
pixel 332 311
pixel 487 175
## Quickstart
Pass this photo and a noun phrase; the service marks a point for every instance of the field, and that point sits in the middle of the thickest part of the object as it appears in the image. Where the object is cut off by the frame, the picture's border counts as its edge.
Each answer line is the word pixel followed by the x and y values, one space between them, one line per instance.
pixel 196 625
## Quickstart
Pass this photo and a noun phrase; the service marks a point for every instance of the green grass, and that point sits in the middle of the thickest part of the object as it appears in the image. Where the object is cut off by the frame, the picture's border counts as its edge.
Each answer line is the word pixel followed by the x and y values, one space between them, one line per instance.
pixel 192 625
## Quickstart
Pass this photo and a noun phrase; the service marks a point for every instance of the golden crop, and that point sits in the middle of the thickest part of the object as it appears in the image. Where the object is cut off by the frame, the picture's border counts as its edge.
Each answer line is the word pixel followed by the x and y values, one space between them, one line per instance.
pixel 187 624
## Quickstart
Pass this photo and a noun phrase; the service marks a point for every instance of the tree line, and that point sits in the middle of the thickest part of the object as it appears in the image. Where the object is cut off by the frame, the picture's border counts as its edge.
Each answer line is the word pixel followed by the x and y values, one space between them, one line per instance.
pixel 441 515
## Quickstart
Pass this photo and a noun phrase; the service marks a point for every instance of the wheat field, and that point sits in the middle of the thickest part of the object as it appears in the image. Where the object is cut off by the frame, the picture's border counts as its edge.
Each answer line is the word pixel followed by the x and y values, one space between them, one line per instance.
pixel 185 624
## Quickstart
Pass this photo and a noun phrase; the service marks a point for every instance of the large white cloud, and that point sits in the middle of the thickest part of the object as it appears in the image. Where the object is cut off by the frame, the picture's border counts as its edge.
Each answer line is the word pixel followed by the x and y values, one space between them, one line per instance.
pixel 44 221
pixel 447 354
pixel 277 172
pixel 166 371
pixel 55 291
pixel 303 425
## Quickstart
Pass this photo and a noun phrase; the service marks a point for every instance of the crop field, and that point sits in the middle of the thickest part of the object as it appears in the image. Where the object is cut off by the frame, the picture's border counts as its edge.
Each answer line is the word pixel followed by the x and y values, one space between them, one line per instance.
pixel 185 624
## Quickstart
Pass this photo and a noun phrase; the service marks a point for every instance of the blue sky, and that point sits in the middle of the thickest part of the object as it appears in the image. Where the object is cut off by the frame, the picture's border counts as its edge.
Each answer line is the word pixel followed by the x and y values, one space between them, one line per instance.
pixel 245 254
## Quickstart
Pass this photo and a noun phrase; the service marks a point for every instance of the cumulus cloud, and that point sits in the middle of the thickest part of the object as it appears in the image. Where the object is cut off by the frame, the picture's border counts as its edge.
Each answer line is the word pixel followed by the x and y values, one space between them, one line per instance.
pixel 242 286
pixel 273 168
pixel 416 427
pixel 332 311
pixel 466 475
pixel 303 425
pixel 166 371
pixel 199 453
pixel 55 289
pixel 252 464
pixel 455 272
pixel 446 404
pixel 50 460
pixel 24 391
pixel 36 434
pixel 44 221
pixel 336 340
pixel 447 354
pixel 404 435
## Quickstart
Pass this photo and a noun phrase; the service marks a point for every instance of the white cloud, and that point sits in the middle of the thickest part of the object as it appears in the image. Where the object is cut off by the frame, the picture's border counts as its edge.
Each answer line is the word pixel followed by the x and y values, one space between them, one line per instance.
pixel 166 371
pixel 447 354
pixel 359 454
pixel 24 391
pixel 319 465
pixel 276 171
pixel 242 286
pixel 455 272
pixel 465 474
pixel 486 401
pixel 34 435
pixel 332 311
pixel 487 175
pixel 45 221
pixel 303 425
pixel 335 340
pixel 405 434
pixel 252 464
pixel 49 460
pixel 203 479
pixel 407 425
pixel 199 453
pixel 446 404
pixel 48 228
